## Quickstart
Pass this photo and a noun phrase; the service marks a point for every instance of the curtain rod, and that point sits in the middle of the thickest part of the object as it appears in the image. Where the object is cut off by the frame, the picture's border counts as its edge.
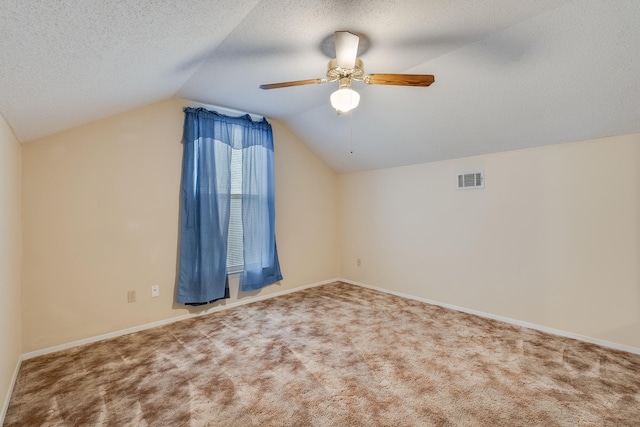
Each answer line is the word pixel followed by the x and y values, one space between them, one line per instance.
pixel 223 110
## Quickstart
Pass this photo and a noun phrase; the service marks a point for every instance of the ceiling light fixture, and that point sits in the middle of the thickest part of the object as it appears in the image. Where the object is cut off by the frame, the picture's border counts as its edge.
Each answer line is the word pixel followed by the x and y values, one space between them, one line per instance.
pixel 345 99
pixel 347 67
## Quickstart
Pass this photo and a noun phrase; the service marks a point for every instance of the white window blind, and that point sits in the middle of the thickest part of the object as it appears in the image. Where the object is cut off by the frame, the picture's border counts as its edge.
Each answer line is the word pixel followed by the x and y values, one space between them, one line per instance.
pixel 234 243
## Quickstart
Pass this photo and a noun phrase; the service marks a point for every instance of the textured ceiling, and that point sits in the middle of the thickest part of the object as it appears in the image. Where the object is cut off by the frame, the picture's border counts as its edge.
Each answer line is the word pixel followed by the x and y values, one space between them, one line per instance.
pixel 509 74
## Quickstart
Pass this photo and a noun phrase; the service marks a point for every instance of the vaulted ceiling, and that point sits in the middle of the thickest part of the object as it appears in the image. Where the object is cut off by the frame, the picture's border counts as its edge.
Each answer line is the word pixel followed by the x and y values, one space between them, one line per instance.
pixel 509 74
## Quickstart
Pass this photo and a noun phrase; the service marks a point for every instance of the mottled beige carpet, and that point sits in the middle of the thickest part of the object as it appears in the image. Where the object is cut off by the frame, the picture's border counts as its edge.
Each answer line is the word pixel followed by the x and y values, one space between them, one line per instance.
pixel 335 355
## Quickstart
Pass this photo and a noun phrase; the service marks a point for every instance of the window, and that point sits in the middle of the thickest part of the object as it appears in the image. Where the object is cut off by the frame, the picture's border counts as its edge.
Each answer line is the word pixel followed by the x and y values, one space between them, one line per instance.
pixel 234 245
pixel 227 218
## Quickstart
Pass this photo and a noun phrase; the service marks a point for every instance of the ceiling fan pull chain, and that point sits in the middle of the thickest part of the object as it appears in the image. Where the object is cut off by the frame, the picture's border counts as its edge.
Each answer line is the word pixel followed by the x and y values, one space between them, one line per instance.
pixel 351 131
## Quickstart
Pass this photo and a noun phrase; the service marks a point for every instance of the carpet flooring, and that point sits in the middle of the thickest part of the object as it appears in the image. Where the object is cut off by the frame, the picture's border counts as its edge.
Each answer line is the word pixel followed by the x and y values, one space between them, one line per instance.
pixel 334 355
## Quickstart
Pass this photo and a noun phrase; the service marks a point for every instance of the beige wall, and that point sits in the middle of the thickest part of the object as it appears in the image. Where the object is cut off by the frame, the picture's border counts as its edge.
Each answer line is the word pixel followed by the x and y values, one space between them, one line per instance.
pixel 10 253
pixel 306 211
pixel 101 205
pixel 553 239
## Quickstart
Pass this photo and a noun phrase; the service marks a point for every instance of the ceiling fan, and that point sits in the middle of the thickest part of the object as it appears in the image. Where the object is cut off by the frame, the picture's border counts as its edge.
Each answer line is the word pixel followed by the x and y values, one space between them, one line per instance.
pixel 346 67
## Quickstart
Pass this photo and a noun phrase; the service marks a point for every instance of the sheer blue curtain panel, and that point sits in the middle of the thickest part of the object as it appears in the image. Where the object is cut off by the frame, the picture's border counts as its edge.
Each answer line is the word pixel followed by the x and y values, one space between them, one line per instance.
pixel 208 141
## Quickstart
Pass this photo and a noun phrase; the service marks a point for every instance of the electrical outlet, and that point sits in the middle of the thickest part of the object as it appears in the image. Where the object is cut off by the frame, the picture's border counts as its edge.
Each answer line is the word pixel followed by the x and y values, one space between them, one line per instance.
pixel 131 296
pixel 155 291
pixel 358 262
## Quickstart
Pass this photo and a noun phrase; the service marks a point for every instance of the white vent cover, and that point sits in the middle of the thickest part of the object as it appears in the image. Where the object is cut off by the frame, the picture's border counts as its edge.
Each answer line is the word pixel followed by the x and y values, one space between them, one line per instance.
pixel 470 180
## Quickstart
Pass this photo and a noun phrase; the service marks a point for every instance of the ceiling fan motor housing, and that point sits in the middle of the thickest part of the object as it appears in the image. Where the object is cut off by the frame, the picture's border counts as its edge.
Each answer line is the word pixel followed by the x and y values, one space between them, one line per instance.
pixel 334 72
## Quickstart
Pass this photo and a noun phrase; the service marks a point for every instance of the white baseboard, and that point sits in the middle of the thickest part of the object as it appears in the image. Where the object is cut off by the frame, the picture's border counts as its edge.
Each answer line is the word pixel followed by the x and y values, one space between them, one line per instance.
pixel 7 399
pixel 127 331
pixel 540 328
pixel 249 300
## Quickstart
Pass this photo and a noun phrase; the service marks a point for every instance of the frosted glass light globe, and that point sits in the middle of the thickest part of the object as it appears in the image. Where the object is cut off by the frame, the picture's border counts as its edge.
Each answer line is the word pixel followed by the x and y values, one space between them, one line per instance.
pixel 345 99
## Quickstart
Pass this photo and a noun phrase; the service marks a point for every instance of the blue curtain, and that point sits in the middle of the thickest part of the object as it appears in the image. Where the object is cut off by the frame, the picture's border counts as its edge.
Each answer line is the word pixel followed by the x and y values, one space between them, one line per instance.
pixel 208 141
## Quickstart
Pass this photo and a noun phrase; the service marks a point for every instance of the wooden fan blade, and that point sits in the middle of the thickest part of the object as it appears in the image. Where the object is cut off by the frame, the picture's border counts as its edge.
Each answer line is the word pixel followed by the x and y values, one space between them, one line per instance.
pixel 399 79
pixel 294 83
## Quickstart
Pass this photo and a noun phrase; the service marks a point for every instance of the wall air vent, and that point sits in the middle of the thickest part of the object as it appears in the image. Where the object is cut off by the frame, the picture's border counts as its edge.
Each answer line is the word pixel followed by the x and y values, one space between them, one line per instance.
pixel 467 181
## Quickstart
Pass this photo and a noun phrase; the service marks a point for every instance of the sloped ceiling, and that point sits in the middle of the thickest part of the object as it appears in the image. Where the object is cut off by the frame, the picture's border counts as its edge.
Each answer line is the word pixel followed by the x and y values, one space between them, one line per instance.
pixel 509 74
